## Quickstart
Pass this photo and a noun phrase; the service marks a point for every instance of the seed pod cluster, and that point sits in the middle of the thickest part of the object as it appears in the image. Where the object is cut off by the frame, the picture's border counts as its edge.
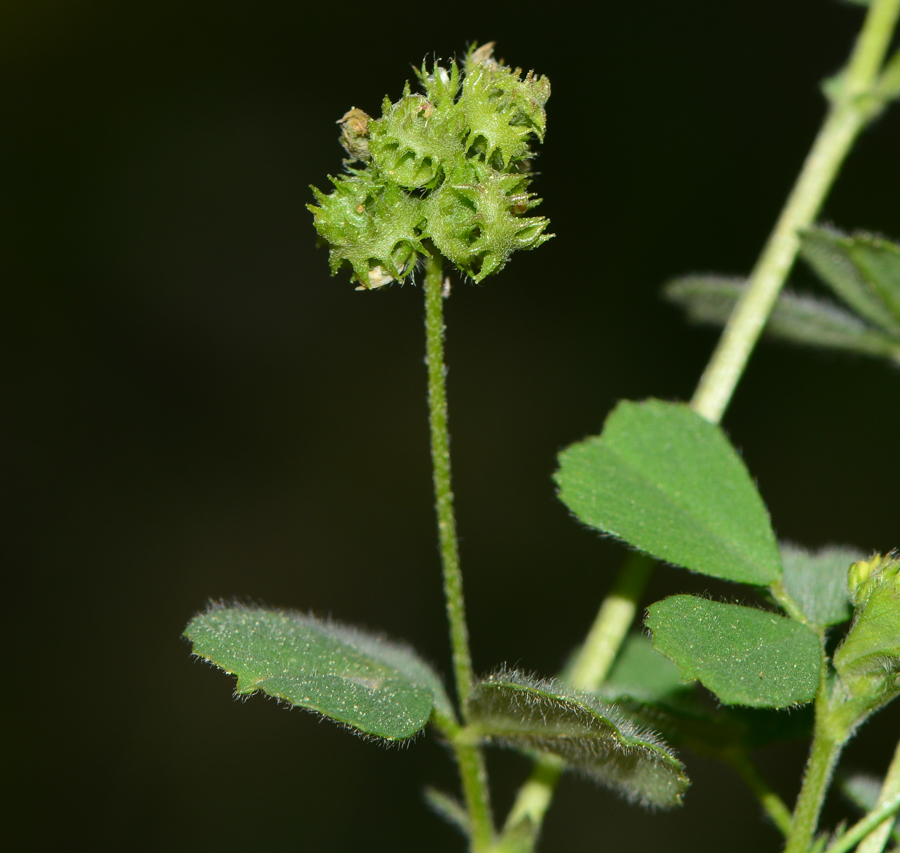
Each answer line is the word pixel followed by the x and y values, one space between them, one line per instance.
pixel 448 170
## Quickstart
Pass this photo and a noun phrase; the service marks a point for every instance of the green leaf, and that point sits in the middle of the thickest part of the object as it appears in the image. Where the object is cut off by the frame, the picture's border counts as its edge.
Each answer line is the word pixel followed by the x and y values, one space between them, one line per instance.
pixel 377 687
pixel 797 318
pixel 668 482
pixel 868 660
pixel 745 656
pixel 647 687
pixel 590 736
pixel 643 673
pixel 817 581
pixel 862 269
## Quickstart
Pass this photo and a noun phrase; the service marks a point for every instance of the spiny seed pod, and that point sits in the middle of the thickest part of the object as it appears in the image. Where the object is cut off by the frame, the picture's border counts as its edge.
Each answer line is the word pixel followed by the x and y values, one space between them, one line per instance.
pixel 502 111
pixel 416 142
pixel 375 227
pixel 449 166
pixel 475 219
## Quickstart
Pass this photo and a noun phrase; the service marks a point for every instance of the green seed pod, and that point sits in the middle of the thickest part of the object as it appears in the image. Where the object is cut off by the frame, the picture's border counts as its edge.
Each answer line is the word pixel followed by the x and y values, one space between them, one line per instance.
pixel 373 226
pixel 449 166
pixel 502 111
pixel 420 138
pixel 475 219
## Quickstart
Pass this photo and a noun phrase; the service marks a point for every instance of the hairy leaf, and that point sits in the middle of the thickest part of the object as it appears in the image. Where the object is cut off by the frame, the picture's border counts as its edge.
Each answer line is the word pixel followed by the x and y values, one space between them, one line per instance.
pixel 862 269
pixel 668 482
pixel 643 673
pixel 817 581
pixel 547 717
pixel 797 318
pixel 646 686
pixel 744 656
pixel 378 687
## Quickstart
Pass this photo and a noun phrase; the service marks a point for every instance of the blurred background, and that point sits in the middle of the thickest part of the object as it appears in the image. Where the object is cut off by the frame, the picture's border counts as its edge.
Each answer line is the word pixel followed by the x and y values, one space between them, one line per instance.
pixel 197 410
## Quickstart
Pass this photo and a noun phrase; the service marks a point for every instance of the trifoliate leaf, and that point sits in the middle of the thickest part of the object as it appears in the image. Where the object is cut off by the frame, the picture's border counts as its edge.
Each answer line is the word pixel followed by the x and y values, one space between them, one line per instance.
pixel 797 318
pixel 668 482
pixel 377 687
pixel 375 227
pixel 590 736
pixel 817 581
pixel 745 656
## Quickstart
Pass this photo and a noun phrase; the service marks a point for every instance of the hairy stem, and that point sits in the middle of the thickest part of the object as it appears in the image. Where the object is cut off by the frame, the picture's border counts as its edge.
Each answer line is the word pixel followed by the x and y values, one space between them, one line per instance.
pixel 890 790
pixel 470 759
pixel 614 619
pixel 849 114
pixel 590 668
pixel 830 733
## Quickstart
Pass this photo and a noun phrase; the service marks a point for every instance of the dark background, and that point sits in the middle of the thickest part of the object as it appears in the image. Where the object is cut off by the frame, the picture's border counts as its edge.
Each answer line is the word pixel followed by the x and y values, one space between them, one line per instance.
pixel 196 410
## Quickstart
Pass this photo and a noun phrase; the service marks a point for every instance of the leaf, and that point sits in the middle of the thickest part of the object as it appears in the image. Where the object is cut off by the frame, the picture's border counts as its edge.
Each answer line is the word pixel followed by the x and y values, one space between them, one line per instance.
pixel 744 656
pixel 547 717
pixel 868 660
pixel 378 687
pixel 797 318
pixel 862 269
pixel 668 482
pixel 646 686
pixel 817 581
pixel 644 673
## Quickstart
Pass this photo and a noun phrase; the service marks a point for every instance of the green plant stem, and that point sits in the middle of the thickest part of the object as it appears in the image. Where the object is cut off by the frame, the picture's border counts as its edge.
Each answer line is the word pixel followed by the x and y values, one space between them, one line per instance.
pixel 591 666
pixel 852 836
pixel 830 733
pixel 846 118
pixel 469 757
pixel 614 619
pixel 849 113
pixel 890 789
pixel 773 805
